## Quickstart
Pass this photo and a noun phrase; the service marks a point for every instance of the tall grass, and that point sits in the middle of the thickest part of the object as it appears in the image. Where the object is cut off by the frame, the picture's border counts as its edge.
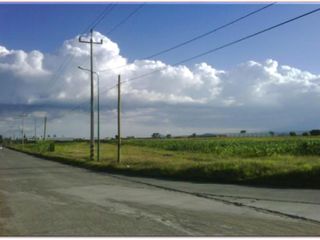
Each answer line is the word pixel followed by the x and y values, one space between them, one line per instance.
pixel 39 147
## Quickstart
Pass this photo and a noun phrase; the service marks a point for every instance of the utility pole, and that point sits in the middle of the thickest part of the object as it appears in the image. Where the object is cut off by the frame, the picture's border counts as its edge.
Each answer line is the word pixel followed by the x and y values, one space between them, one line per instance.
pixel 98 108
pixel 45 128
pixel 91 42
pixel 22 131
pixel 98 153
pixel 35 129
pixel 119 119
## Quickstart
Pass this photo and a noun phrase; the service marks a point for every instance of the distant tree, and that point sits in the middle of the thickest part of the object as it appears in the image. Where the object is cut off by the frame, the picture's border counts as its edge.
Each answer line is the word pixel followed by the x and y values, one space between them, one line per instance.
pixel 155 135
pixel 243 131
pixel 305 134
pixel 1 139
pixel 315 132
pixel 193 135
pixel 292 134
pixel 168 136
pixel 271 133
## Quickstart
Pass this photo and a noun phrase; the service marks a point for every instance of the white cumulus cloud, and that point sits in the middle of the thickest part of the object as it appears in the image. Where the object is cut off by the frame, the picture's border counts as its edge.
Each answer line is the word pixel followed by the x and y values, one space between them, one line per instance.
pixel 251 94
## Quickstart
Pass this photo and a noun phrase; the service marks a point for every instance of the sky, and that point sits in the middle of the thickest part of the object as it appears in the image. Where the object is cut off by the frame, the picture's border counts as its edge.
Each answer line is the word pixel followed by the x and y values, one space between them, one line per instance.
pixel 267 83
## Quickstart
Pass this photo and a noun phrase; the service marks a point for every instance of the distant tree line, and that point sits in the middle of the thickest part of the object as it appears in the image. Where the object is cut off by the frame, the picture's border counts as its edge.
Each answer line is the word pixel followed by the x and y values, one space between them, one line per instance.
pixel 313 132
pixel 158 135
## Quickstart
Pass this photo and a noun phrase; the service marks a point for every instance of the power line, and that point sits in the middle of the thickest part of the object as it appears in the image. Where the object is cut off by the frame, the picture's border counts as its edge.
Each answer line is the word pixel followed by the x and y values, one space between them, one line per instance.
pixel 230 43
pixel 199 36
pixel 107 11
pixel 87 29
pixel 126 18
pixel 210 32
pixel 249 36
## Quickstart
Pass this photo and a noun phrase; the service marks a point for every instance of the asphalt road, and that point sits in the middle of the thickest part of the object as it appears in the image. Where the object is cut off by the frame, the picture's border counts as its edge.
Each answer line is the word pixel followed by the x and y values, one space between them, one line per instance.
pixel 40 198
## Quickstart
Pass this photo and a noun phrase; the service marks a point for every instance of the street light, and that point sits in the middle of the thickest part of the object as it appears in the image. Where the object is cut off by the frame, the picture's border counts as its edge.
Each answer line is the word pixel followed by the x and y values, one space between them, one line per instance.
pixel 98 96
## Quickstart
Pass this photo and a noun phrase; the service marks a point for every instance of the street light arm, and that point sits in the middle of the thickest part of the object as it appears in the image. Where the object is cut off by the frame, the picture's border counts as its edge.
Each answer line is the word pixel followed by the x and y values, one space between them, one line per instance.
pixel 88 70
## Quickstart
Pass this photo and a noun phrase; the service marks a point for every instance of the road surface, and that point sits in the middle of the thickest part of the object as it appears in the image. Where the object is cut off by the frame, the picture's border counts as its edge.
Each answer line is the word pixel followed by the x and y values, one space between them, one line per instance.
pixel 39 197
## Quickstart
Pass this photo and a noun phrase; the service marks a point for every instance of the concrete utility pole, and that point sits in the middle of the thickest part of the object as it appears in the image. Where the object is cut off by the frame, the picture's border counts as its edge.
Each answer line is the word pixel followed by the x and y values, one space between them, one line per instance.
pixel 22 131
pixel 98 153
pixel 44 128
pixel 119 119
pixel 98 107
pixel 91 42
pixel 35 129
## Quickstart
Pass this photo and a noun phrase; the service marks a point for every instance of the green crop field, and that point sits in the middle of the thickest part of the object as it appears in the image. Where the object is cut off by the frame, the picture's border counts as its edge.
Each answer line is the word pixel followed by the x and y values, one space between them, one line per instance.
pixel 272 161
pixel 238 147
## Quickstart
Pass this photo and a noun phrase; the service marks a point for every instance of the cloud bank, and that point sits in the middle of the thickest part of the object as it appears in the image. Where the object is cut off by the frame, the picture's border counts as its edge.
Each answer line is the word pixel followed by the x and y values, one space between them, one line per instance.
pixel 256 96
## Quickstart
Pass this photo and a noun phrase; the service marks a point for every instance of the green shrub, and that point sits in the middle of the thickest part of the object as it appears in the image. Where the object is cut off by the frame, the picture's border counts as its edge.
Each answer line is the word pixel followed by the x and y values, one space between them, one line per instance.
pixel 42 146
pixel 51 147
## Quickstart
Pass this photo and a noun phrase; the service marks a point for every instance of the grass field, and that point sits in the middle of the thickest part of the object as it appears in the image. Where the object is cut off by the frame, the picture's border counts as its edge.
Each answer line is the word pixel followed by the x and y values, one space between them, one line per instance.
pixel 273 161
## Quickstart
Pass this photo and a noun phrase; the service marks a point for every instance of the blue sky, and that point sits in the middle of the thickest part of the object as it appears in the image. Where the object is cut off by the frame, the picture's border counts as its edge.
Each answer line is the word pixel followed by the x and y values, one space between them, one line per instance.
pixel 156 26
pixel 270 82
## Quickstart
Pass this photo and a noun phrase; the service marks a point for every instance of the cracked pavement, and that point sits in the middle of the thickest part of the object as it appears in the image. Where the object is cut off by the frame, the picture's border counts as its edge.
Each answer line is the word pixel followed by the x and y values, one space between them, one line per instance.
pixel 39 197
